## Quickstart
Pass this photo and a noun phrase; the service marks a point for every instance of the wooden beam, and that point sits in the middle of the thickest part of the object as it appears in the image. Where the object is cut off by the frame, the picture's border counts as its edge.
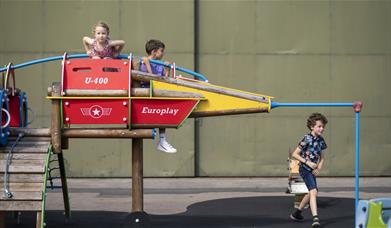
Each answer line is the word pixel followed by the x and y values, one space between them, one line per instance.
pixel 88 132
pixel 145 92
pixel 56 118
pixel 96 93
pixel 142 76
pixel 107 133
pixel 196 114
pixel 137 176
pixel 64 186
pixel 39 221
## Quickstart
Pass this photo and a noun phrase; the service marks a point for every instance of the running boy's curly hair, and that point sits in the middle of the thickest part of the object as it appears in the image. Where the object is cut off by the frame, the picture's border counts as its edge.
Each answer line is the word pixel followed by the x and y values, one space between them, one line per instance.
pixel 152 45
pixel 311 121
pixel 101 24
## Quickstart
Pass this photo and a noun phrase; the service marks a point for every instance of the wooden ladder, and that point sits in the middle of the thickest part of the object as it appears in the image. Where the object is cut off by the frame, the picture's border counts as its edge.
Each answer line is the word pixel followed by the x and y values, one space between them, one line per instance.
pixel 27 177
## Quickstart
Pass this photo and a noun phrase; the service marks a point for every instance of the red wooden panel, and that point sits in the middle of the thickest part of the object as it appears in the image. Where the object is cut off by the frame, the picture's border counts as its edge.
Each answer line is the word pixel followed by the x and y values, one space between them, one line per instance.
pixel 85 111
pixel 14 110
pixel 96 74
pixel 161 112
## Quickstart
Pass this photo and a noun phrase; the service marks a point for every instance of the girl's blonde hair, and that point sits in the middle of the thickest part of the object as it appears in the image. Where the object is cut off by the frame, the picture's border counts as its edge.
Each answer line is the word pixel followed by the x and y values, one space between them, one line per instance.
pixel 101 24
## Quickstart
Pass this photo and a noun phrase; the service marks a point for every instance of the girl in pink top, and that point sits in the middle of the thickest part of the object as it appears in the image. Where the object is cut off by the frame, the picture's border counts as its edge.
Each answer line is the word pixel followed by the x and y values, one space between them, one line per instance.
pixel 101 47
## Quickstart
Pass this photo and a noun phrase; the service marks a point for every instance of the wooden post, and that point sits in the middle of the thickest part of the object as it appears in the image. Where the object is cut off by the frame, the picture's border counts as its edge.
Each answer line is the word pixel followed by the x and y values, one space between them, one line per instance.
pixel 2 219
pixel 137 176
pixel 64 185
pixel 56 118
pixel 38 224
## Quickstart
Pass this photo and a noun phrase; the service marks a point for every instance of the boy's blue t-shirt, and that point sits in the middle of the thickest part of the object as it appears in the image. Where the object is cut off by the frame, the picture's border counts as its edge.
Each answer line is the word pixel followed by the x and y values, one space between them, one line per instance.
pixel 311 149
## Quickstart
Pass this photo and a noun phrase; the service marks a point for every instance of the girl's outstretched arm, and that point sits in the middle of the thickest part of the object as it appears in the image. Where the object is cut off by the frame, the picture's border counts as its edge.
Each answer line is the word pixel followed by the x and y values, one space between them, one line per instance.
pixel 87 42
pixel 117 45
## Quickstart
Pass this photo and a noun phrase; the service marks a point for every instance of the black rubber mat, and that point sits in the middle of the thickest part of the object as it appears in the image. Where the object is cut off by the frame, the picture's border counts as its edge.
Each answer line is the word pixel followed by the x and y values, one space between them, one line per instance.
pixel 228 212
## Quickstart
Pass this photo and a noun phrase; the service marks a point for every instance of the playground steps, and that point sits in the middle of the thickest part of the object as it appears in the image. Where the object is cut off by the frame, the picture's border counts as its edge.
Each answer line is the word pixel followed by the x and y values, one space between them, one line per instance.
pixel 27 178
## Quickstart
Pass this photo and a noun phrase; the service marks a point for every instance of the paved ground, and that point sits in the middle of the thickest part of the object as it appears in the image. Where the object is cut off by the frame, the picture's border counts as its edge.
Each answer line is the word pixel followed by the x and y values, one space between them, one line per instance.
pixel 203 202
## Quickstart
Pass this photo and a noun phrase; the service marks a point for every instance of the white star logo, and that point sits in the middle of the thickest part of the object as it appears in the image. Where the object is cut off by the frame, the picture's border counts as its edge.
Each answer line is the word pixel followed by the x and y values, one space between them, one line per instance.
pixel 96 112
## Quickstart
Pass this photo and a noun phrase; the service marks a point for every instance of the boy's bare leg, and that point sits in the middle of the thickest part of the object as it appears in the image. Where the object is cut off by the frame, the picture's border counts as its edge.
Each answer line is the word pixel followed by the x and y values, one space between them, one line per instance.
pixel 313 194
pixel 304 201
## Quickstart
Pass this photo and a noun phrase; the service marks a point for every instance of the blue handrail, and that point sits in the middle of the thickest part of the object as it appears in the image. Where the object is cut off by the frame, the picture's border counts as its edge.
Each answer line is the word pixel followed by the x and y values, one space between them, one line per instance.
pixel 75 56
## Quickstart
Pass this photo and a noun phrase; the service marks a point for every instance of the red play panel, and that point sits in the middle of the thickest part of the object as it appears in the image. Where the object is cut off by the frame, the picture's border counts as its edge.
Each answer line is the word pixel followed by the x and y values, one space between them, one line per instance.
pixel 96 74
pixel 85 111
pixel 161 112
pixel 14 109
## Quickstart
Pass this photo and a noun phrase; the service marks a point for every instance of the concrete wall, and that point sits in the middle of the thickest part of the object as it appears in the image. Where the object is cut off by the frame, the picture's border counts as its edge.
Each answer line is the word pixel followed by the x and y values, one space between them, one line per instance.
pixel 297 51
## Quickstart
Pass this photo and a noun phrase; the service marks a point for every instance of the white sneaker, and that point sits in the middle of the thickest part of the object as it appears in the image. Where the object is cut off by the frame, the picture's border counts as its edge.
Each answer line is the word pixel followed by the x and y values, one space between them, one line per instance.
pixel 166 147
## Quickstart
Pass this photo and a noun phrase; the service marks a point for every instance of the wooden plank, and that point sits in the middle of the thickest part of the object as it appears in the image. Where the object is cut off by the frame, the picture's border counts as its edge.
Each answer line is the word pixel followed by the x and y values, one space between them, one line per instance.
pixel 28 142
pixel 20 205
pixel 29 149
pixel 21 156
pixel 23 187
pixel 23 178
pixel 23 166
pixel 32 139
pixel 30 132
pixel 30 196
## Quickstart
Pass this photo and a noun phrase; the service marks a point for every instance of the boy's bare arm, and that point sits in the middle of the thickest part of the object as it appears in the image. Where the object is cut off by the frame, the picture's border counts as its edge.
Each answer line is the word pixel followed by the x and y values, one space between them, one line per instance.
pixel 321 161
pixel 147 65
pixel 167 70
pixel 296 155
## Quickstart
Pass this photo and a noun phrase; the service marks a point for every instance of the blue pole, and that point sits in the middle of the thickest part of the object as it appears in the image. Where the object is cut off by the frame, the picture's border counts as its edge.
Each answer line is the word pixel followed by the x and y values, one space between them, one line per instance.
pixel 277 104
pixel 357 165
pixel 74 56
pixel 357 108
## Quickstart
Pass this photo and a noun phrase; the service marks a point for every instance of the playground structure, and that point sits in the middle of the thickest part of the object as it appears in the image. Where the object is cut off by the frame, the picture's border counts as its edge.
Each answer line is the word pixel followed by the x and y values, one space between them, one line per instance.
pixel 100 92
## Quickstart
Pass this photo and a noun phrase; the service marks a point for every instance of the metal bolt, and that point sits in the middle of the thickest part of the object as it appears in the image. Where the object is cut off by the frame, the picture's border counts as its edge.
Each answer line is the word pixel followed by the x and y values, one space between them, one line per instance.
pixel 124 119
pixel 66 103
pixel 125 103
pixel 67 119
pixel 125 63
pixel 68 62
pixel 8 133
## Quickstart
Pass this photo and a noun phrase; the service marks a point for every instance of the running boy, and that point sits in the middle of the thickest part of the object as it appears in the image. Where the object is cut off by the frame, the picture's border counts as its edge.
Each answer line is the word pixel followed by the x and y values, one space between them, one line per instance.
pixel 155 50
pixel 309 154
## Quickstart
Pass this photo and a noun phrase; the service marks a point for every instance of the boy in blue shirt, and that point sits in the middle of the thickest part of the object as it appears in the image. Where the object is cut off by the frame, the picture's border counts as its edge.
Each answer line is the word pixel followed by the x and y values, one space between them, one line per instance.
pixel 311 157
pixel 155 50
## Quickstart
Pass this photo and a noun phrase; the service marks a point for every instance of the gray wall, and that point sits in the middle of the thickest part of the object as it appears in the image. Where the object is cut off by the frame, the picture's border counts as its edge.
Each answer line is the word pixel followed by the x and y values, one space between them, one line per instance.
pixel 297 51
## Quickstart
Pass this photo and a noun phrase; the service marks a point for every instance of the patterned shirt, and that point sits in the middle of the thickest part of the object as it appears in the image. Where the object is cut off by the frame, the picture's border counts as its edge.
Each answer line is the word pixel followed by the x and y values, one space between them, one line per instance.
pixel 107 51
pixel 311 148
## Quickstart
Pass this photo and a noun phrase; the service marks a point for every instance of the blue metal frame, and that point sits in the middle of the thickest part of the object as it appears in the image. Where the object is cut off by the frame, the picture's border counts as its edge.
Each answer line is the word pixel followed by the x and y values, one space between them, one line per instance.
pixel 357 159
pixel 76 56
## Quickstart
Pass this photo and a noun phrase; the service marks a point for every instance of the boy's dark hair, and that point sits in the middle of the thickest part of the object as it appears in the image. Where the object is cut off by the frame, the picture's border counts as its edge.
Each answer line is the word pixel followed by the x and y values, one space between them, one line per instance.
pixel 311 121
pixel 152 45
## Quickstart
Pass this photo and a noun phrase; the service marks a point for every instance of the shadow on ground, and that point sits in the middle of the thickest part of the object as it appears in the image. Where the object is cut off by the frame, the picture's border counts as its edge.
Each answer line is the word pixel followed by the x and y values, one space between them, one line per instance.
pixel 229 212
